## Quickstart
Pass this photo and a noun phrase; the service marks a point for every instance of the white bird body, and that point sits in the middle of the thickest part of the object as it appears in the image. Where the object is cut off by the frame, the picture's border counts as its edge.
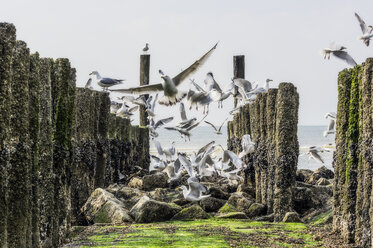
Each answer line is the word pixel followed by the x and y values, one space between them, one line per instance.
pixel 105 82
pixel 248 146
pixel 125 111
pixel 339 52
pixel 194 193
pixel 367 30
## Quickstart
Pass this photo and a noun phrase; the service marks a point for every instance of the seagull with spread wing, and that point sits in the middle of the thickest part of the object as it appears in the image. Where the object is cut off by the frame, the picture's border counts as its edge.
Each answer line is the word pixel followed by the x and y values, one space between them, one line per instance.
pixel 367 30
pixel 169 85
pixel 339 52
pixel 217 131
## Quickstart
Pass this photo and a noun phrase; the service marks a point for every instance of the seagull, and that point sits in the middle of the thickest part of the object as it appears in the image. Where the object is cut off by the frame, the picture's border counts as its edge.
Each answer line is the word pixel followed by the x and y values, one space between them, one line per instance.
pixel 230 156
pixel 338 51
pixel 105 82
pixel 194 193
pixel 367 31
pixel 115 106
pixel 217 131
pixel 158 163
pixel 125 111
pixel 247 146
pixel 243 84
pixel 331 126
pixel 210 83
pixel 153 126
pixel 88 85
pixel 146 48
pixel 198 98
pixel 262 89
pixel 185 122
pixel 141 101
pixel 167 152
pixel 150 107
pixel 313 151
pixel 174 171
pixel 169 85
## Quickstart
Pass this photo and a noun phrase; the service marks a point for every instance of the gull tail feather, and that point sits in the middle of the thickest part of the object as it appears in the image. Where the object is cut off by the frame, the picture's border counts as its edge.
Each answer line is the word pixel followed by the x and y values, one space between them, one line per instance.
pixel 172 100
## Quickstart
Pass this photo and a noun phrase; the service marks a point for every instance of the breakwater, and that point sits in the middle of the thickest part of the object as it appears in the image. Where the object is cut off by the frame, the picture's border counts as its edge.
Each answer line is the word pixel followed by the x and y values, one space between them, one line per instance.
pixel 352 211
pixel 272 123
pixel 58 143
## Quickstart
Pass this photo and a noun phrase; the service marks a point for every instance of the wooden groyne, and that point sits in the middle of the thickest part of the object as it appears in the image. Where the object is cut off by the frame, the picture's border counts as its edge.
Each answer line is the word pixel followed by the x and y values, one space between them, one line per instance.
pixel 58 143
pixel 353 211
pixel 272 123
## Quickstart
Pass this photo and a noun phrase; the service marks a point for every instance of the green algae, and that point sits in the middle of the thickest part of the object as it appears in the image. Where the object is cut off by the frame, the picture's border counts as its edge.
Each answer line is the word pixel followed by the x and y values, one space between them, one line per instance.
pixel 199 233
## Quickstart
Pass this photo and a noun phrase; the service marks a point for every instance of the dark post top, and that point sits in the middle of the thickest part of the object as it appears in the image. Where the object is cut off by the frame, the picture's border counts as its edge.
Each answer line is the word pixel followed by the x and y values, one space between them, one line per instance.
pixel 238 71
pixel 144 80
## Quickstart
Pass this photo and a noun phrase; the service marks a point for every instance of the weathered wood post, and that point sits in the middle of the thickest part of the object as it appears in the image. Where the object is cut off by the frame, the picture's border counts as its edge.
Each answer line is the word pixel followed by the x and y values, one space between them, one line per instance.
pixel 144 80
pixel 20 154
pixel 238 71
pixel 7 43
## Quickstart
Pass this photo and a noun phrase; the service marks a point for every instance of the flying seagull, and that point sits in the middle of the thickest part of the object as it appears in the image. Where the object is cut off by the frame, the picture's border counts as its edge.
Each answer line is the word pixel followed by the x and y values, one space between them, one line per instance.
pixel 338 51
pixel 194 193
pixel 247 146
pixel 146 48
pixel 105 82
pixel 313 151
pixel 331 127
pixel 217 131
pixel 367 31
pixel 169 85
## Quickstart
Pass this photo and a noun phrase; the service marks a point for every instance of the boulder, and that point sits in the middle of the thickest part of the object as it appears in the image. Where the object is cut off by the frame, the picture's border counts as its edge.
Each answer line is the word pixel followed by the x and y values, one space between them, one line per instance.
pixel 303 175
pixel 268 218
pixel 227 208
pixel 147 210
pixel 218 193
pixel 307 196
pixel 157 180
pixel 256 209
pixel 191 213
pixel 246 189
pixel 291 217
pixel 103 207
pixel 129 196
pixel 159 194
pixel 211 204
pixel 321 172
pixel 322 181
pixel 240 202
pixel 232 215
pixel 135 182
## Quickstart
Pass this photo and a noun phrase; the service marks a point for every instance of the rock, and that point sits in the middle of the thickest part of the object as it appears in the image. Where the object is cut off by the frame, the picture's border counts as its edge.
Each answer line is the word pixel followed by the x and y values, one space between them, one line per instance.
pixel 232 215
pixel 307 196
pixel 211 204
pixel 240 202
pixel 227 208
pixel 321 172
pixel 303 175
pixel 218 193
pixel 135 182
pixel 230 187
pixel 159 194
pixel 129 196
pixel 256 209
pixel 269 218
pixel 291 217
pixel 246 189
pixel 191 213
pixel 322 181
pixel 147 210
pixel 158 180
pixel 103 207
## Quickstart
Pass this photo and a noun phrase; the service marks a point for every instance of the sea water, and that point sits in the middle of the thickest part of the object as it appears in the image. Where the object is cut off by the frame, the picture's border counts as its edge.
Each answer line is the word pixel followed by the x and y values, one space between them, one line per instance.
pixel 201 135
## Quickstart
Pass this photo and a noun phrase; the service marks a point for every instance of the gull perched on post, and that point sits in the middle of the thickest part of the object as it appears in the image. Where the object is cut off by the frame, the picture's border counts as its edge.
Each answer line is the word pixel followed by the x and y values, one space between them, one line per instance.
pixel 331 126
pixel 105 82
pixel 367 31
pixel 146 48
pixel 169 85
pixel 338 51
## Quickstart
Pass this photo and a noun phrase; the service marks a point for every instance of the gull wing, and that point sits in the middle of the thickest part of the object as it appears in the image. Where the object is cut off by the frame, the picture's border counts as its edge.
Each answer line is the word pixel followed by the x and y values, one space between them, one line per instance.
pixel 222 124
pixel 145 89
pixel 331 125
pixel 162 122
pixel 206 147
pixel 345 56
pixel 363 26
pixel 196 124
pixel 199 88
pixel 182 112
pixel 196 189
pixel 186 164
pixel 192 68
pixel 133 109
pixel 213 126
pixel 156 159
pixel 159 147
pixel 316 156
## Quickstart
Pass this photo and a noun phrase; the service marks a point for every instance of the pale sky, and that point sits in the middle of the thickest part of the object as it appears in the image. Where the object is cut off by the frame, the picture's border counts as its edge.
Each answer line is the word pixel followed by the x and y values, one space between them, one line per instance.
pixel 281 40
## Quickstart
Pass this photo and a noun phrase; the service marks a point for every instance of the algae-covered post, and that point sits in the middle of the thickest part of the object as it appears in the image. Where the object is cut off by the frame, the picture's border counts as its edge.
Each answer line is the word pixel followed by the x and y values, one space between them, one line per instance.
pixel 19 215
pixel 144 80
pixel 287 149
pixel 7 43
pixel 238 71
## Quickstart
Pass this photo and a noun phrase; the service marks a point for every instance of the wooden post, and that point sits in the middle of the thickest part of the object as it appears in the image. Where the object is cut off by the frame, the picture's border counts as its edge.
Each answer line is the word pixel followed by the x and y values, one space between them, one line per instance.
pixel 144 80
pixel 238 71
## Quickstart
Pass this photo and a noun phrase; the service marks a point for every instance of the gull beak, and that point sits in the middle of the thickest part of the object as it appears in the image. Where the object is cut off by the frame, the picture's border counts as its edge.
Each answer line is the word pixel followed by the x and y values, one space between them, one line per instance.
pixel 90 73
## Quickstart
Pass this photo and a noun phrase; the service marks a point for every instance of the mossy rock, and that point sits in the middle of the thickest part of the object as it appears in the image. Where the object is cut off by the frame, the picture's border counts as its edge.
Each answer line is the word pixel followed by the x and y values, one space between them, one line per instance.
pixel 256 209
pixel 211 204
pixel 191 213
pixel 227 208
pixel 232 215
pixel 292 217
